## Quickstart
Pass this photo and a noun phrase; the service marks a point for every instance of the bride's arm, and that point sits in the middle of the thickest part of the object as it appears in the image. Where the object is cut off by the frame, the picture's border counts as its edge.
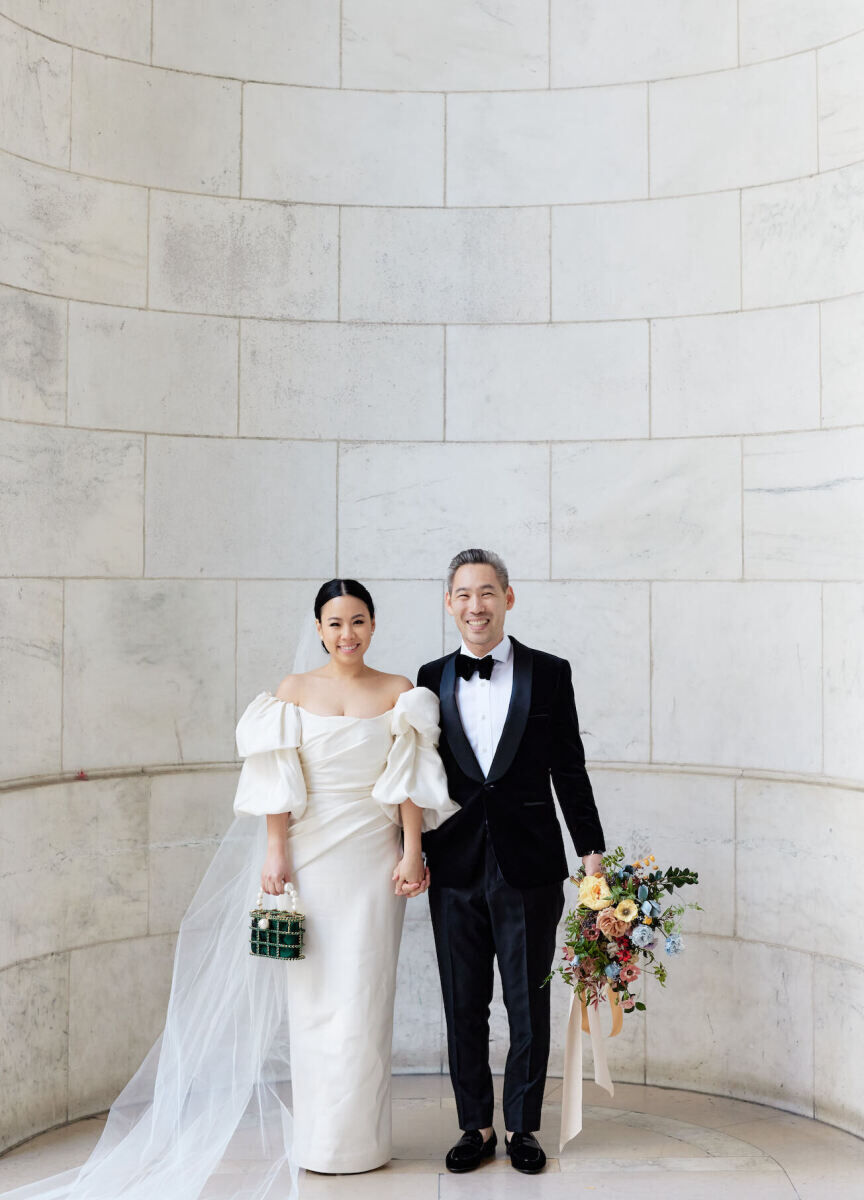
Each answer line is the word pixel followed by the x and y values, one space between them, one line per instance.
pixel 410 875
pixel 276 870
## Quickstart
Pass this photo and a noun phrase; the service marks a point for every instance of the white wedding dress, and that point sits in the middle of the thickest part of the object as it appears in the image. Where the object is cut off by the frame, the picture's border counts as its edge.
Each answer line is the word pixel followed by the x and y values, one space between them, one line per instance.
pixel 208 1113
pixel 343 779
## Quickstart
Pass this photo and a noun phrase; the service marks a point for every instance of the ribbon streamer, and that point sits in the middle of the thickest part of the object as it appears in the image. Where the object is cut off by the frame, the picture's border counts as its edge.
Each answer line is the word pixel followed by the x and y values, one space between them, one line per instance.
pixel 571 1101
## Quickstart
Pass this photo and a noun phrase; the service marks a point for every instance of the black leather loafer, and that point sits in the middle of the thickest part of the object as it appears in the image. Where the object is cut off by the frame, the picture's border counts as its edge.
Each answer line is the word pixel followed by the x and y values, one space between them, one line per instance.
pixel 470 1151
pixel 526 1153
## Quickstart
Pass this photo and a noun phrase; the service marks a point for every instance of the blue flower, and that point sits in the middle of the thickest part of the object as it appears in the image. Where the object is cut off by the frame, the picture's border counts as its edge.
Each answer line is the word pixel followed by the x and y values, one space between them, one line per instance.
pixel 647 907
pixel 643 936
pixel 642 894
pixel 613 971
pixel 674 944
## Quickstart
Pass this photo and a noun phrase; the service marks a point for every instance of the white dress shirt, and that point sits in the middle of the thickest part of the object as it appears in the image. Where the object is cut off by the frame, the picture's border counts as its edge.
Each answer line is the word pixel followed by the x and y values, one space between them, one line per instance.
pixel 483 703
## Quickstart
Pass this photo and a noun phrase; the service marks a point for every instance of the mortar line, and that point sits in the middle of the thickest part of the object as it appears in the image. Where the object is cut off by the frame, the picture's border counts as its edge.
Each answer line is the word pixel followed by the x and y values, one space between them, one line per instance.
pixel 240 181
pixel 239 369
pixel 650 672
pixel 66 397
pixel 444 382
pixel 821 415
pixel 147 260
pixel 818 115
pixel 71 103
pixel 444 196
pixel 338 473
pixel 339 265
pixel 549 509
pixel 549 45
pixel 236 647
pixel 144 510
pixel 741 468
pixel 648 140
pixel 549 243
pixel 62 668
pixel 650 378
pixel 152 22
pixel 822 668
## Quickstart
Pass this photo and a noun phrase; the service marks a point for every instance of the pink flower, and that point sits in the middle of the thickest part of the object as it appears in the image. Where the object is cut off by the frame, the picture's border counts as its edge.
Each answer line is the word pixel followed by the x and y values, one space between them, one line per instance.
pixel 567 951
pixel 629 973
pixel 609 924
pixel 591 934
pixel 628 1004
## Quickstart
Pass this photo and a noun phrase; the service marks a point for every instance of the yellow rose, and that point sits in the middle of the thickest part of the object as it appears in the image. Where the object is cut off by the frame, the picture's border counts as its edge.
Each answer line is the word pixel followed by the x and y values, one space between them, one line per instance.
pixel 594 892
pixel 626 910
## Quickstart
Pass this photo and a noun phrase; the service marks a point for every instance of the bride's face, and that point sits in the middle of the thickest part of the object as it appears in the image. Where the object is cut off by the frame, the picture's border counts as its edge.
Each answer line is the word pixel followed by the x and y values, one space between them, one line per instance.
pixel 346 628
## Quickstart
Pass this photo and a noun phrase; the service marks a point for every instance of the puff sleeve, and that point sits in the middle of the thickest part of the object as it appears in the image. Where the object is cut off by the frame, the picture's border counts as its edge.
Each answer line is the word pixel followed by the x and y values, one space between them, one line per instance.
pixel 271 780
pixel 414 770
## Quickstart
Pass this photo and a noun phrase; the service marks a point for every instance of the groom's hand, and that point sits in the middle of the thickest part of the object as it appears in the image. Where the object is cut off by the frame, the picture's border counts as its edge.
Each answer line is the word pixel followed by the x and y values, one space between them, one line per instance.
pixel 593 864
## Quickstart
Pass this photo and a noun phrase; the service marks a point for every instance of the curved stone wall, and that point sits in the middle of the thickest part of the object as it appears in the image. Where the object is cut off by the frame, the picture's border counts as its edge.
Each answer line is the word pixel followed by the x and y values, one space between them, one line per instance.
pixel 291 289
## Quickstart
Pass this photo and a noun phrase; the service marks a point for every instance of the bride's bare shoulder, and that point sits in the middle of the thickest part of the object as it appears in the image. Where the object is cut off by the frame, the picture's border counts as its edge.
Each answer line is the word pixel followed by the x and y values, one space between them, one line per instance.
pixel 395 685
pixel 290 689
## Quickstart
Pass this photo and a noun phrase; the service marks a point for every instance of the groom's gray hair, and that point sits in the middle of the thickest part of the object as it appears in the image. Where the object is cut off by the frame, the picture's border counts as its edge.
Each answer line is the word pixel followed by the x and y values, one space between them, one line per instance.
pixel 482 557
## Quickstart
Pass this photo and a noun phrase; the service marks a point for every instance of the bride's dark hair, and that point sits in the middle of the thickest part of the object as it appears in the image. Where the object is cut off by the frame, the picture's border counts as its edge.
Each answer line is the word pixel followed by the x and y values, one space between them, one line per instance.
pixel 342 587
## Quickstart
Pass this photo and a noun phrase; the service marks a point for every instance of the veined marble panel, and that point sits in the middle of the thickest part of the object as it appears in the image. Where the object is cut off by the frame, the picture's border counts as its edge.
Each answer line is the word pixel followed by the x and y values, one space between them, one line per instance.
pixel 841 102
pixel 189 814
pixel 31 641
pixel 749 1022
pixel 595 42
pixel 803 505
pixel 70 235
pixel 342 147
pixel 803 240
pixel 149 672
pixel 289 41
pixel 647 509
pixel 272 615
pixel 759 123
pixel 323 379
pixel 558 147
pixel 769 30
pixel 737 675
pixel 516 383
pixel 437 265
pixel 160 128
pixel 453 45
pixel 157 372
pixel 838 1001
pixel 754 372
pixel 843 641
pixel 101 25
pixel 34 1003
pixel 843 361
pixel 73 501
pixel 78 851
pixel 34 95
pixel 231 508
pixel 602 629
pixel 32 357
pixel 247 258
pixel 645 258
pixel 133 976
pixel 684 821
pixel 796 830
pixel 413 506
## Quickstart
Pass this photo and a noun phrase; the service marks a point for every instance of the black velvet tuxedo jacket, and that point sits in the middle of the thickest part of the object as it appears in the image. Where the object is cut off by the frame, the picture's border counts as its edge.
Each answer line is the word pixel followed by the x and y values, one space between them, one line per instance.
pixel 539 745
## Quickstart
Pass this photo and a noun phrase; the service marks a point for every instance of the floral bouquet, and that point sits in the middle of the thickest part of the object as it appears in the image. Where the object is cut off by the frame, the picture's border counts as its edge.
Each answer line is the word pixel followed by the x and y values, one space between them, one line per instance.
pixel 617 924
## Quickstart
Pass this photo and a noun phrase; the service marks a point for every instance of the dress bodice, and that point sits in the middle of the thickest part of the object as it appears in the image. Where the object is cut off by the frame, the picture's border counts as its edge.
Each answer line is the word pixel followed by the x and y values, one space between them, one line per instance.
pixel 291 754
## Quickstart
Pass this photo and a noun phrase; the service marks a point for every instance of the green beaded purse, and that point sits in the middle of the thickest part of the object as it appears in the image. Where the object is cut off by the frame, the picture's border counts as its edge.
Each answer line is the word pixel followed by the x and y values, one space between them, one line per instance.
pixel 277 932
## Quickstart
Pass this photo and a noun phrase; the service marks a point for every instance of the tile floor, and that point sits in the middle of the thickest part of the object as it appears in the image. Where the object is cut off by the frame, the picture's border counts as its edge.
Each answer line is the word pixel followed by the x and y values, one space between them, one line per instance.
pixel 646 1142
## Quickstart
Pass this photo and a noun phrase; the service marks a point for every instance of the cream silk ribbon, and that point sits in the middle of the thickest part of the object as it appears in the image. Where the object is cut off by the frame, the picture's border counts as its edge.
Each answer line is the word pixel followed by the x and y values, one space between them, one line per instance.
pixel 584 1017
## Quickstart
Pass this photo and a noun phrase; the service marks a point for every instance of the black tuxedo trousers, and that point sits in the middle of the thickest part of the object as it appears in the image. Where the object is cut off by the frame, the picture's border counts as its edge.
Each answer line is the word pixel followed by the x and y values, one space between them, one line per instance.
pixel 497 870
pixel 473 925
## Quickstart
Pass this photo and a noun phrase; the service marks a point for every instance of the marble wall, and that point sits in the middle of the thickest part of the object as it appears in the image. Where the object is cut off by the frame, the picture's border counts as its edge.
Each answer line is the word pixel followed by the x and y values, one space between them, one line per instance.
pixel 291 289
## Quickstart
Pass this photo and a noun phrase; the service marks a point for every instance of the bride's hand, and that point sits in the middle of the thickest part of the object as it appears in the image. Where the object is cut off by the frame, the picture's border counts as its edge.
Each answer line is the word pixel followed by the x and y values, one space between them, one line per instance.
pixel 410 876
pixel 275 872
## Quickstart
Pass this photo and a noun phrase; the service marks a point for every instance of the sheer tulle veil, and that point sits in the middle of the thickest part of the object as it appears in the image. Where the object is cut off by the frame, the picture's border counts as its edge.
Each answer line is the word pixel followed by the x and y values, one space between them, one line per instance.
pixel 216 1084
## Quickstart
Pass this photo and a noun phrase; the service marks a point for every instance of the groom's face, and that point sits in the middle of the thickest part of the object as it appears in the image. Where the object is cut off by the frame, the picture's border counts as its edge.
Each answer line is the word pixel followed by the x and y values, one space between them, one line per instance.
pixel 478 604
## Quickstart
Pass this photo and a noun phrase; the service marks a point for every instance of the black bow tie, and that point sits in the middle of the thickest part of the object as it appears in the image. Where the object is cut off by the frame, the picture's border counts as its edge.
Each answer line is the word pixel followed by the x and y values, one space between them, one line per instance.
pixel 466 666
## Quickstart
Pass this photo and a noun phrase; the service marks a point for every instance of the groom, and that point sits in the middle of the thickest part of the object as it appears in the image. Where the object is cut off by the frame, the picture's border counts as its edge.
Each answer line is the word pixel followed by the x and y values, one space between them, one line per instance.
pixel 508 725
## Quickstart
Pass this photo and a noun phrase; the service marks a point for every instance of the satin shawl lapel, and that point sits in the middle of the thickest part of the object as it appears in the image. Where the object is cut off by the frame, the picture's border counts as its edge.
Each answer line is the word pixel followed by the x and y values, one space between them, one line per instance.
pixel 452 725
pixel 517 713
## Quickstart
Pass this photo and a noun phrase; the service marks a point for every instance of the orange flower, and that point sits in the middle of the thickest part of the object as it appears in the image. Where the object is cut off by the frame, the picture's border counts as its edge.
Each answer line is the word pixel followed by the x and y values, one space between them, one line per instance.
pixel 647 921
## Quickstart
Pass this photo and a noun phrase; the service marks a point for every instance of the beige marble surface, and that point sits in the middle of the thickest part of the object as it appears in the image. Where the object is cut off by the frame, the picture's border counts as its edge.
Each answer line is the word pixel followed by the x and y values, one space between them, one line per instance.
pixel 655 1141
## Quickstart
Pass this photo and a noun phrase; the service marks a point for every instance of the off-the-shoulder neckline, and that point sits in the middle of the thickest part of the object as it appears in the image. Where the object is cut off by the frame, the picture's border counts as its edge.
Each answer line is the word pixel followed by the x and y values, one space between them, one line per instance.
pixel 339 716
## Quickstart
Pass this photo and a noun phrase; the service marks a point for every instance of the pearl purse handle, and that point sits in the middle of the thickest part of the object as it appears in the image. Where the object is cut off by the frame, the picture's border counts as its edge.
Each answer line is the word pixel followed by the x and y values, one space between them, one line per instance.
pixel 288 890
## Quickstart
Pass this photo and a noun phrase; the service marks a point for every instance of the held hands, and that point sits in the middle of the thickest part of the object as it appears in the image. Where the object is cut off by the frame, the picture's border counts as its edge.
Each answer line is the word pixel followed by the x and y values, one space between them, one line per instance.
pixel 410 876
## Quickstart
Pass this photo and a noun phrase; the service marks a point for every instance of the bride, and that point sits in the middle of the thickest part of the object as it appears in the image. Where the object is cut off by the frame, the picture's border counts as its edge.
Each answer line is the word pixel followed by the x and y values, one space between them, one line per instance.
pixel 342 762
